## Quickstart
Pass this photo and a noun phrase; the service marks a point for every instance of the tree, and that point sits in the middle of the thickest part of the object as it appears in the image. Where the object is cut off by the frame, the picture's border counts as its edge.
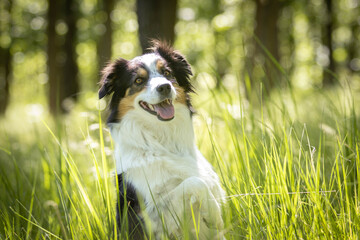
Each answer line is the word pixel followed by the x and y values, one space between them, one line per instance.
pixel 327 41
pixel 266 30
pixel 156 19
pixel 5 56
pixel 62 66
pixel 105 42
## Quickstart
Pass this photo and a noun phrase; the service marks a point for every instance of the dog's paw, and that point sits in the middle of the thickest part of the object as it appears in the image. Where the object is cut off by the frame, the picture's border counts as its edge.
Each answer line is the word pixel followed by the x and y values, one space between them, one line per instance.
pixel 195 189
pixel 210 212
pixel 203 200
pixel 211 215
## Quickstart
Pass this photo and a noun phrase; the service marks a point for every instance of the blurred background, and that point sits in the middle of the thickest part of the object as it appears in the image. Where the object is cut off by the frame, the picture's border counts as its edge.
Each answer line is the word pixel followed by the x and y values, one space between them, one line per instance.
pixel 51 52
pixel 278 91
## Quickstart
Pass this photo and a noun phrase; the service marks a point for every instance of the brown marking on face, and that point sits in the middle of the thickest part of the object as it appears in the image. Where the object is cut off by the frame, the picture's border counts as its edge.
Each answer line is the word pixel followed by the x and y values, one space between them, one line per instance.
pixel 160 64
pixel 181 95
pixel 127 92
pixel 142 73
pixel 126 104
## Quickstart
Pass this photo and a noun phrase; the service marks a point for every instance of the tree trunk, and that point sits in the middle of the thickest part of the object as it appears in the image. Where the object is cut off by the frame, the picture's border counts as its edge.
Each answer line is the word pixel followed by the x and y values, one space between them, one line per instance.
pixel 62 66
pixel 156 19
pixel 328 78
pixel 266 30
pixel 5 70
pixel 221 56
pixel 105 42
pixel 53 52
pixel 70 69
pixel 5 60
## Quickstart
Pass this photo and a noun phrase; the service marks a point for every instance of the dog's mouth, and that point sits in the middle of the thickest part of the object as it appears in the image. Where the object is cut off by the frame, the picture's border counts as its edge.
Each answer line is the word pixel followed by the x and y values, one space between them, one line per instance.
pixel 163 110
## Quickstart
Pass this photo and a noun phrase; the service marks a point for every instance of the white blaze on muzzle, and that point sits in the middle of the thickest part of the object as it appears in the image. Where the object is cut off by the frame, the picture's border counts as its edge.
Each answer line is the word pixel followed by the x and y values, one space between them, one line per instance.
pixel 155 82
pixel 158 98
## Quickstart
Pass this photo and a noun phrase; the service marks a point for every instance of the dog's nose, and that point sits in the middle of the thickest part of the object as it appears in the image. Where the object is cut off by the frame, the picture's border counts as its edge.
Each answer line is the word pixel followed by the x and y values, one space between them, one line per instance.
pixel 164 89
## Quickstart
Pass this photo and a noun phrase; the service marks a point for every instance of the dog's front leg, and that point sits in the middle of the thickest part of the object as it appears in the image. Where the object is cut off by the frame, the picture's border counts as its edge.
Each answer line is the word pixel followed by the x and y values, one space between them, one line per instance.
pixel 192 194
pixel 196 192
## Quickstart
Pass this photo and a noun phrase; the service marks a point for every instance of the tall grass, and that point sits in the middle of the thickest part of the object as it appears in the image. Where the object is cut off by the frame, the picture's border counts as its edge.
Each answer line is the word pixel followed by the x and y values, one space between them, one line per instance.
pixel 287 174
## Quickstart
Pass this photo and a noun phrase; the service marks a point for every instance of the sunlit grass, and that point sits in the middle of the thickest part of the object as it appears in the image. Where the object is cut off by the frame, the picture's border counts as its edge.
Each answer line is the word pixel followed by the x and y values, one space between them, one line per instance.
pixel 288 173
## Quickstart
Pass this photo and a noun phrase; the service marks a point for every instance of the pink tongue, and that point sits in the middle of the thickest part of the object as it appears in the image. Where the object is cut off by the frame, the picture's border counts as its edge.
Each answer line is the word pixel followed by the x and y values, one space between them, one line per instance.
pixel 165 111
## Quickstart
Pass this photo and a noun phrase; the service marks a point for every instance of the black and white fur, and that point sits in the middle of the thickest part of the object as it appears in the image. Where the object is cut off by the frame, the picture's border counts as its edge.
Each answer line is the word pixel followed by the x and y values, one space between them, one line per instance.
pixel 156 156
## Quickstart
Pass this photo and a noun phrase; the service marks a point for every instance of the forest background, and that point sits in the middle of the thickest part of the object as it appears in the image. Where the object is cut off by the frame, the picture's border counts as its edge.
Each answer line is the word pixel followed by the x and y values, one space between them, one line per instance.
pixel 277 98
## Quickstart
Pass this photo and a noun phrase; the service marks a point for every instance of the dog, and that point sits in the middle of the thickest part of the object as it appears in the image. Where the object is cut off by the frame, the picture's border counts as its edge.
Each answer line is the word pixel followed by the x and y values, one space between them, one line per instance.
pixel 165 183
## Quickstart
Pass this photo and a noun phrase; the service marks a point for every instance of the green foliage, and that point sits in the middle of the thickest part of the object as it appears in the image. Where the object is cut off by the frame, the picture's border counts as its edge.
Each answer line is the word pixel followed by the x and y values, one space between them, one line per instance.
pixel 287 174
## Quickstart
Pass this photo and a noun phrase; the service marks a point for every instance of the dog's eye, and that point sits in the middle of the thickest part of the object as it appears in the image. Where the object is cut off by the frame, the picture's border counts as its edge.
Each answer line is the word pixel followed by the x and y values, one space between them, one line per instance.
pixel 167 73
pixel 139 81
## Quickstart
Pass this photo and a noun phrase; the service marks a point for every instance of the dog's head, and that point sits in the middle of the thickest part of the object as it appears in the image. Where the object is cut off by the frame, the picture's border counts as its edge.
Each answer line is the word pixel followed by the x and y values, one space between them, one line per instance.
pixel 151 84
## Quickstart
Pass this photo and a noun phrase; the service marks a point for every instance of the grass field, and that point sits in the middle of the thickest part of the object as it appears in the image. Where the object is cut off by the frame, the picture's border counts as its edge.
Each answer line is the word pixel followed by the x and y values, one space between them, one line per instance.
pixel 289 163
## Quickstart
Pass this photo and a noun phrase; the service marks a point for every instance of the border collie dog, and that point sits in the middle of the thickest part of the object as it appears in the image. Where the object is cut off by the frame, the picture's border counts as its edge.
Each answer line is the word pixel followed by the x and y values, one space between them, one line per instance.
pixel 165 184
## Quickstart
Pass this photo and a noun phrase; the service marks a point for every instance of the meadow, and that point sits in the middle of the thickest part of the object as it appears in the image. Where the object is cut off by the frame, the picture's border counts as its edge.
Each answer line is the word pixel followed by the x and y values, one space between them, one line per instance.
pixel 289 163
pixel 288 157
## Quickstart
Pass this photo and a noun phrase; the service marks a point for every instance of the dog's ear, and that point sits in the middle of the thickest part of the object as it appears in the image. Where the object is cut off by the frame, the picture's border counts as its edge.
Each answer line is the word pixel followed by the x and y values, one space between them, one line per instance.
pixel 110 74
pixel 177 63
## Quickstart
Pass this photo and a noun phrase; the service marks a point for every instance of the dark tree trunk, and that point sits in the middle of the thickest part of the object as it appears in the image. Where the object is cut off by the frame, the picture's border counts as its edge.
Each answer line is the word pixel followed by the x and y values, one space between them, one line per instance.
pixel 328 78
pixel 105 42
pixel 5 70
pixel 52 52
pixel 70 69
pixel 156 19
pixel 5 62
pixel 266 30
pixel 62 66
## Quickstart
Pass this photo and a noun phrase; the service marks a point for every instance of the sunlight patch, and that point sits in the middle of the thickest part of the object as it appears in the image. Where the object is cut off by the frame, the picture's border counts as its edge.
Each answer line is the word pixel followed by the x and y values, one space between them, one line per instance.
pixel 35 111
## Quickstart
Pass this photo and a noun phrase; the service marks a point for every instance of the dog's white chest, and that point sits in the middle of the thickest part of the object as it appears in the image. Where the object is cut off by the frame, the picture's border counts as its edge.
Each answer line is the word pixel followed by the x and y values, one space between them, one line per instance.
pixel 162 174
